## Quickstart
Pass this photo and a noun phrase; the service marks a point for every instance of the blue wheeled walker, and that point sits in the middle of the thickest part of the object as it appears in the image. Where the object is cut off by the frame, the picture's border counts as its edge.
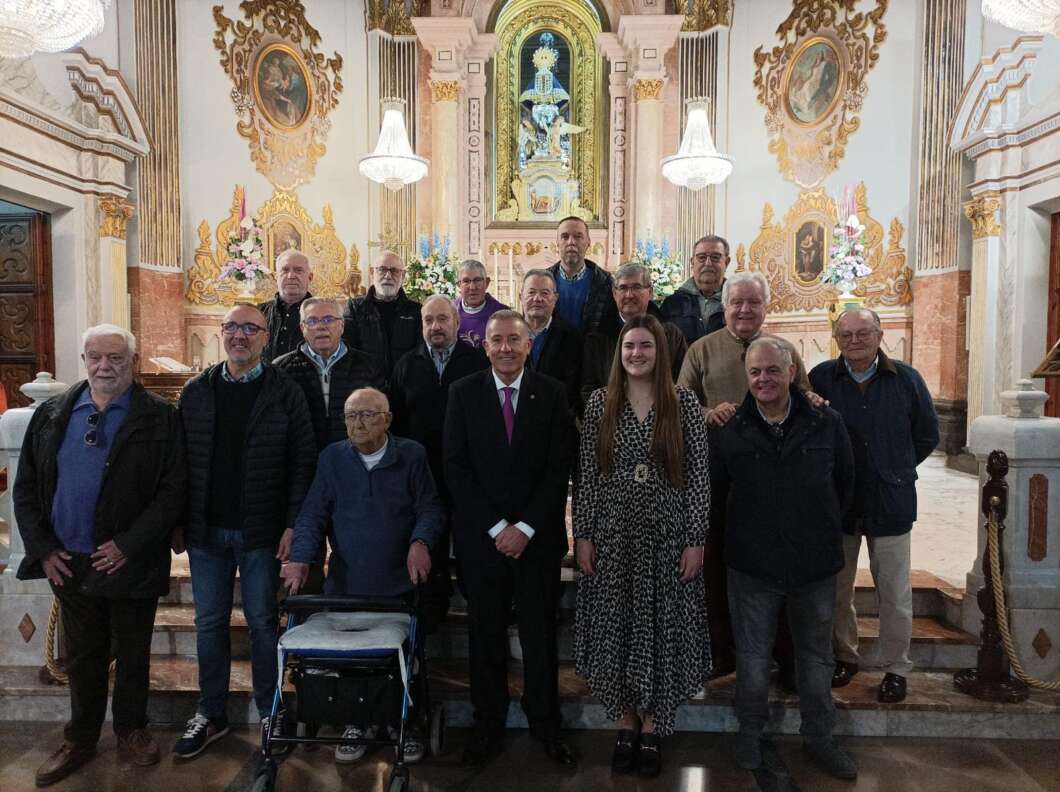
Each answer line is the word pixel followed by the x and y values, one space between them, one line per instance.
pixel 351 660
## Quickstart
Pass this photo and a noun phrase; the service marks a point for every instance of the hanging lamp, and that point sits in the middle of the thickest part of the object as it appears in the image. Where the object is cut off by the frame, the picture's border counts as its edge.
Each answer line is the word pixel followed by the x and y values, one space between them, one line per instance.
pixel 697 163
pixel 1032 16
pixel 393 163
pixel 28 26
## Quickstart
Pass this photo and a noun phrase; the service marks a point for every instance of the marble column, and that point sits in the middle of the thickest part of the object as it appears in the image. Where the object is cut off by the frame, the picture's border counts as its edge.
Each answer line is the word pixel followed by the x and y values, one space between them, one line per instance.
pixel 648 153
pixel 473 154
pixel 113 266
pixel 985 325
pixel 445 156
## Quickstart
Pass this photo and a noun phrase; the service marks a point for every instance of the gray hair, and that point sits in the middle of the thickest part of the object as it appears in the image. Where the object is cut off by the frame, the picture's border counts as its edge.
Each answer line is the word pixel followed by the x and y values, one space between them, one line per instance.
pixel 292 253
pixel 540 273
pixel 631 270
pixel 875 318
pixel 711 238
pixel 311 301
pixel 472 264
pixel 109 330
pixel 783 349
pixel 368 390
pixel 443 298
pixel 745 277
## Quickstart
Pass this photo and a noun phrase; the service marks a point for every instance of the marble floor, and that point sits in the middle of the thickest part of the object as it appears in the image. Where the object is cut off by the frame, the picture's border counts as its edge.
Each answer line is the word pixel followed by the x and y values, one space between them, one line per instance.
pixel 693 763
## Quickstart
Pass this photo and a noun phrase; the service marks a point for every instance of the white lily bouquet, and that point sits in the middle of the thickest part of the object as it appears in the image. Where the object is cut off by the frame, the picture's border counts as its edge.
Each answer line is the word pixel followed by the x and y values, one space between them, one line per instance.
pixel 433 271
pixel 847 260
pixel 246 255
pixel 666 271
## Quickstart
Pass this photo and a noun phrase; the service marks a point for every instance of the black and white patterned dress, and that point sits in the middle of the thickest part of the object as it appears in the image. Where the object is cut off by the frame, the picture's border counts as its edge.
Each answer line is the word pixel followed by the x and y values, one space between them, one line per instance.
pixel 641 636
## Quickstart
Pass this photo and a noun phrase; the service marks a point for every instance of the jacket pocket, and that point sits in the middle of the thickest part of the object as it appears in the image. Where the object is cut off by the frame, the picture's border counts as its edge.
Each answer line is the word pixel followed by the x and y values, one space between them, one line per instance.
pixel 897 495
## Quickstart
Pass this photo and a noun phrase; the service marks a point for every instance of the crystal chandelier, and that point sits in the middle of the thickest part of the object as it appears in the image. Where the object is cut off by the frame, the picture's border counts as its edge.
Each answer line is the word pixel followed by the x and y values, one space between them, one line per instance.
pixel 28 26
pixel 697 163
pixel 1034 16
pixel 393 163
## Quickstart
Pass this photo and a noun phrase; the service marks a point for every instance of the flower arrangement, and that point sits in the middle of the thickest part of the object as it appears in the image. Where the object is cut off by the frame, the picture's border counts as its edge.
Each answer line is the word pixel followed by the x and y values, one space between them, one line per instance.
pixel 847 260
pixel 245 251
pixel 666 271
pixel 433 270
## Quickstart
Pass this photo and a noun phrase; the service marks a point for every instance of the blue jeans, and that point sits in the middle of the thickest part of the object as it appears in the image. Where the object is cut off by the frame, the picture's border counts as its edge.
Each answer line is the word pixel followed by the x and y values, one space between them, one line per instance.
pixel 213 571
pixel 755 607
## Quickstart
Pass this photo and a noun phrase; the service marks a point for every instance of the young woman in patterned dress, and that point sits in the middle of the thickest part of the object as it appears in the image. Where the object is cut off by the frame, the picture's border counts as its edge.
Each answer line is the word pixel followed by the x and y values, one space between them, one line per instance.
pixel 640 523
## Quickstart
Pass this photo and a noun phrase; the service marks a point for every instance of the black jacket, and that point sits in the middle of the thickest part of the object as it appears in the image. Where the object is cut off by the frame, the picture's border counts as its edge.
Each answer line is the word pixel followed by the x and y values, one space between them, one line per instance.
pixel 364 329
pixel 893 428
pixel 353 370
pixel 682 309
pixel 491 480
pixel 280 457
pixel 141 497
pixel 418 399
pixel 282 322
pixel 600 303
pixel 561 359
pixel 783 503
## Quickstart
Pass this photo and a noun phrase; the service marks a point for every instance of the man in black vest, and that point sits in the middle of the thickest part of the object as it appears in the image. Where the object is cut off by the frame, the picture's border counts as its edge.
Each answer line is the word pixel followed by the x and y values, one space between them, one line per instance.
pixel 385 323
pixel 508 454
pixel 251 458
pixel 281 313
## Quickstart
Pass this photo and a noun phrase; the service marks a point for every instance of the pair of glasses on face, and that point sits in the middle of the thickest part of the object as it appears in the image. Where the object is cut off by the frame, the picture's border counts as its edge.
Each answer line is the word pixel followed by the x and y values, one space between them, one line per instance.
pixel 630 288
pixel 713 258
pixel 472 281
pixel 860 335
pixel 391 272
pixel 92 436
pixel 249 329
pixel 316 321
pixel 364 415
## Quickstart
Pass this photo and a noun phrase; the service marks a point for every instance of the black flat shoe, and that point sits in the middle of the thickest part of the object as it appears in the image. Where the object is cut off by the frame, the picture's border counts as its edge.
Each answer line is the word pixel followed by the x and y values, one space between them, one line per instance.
pixel 892 689
pixel 843 673
pixel 649 755
pixel 624 759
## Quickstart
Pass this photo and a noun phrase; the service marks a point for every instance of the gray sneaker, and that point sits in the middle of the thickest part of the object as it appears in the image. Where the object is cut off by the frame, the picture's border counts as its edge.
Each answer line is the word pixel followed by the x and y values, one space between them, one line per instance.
pixel 831 758
pixel 748 751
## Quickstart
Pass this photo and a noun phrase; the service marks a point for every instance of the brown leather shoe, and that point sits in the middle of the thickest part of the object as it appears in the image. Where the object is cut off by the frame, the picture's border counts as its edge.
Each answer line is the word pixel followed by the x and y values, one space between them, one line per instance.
pixel 66 759
pixel 139 748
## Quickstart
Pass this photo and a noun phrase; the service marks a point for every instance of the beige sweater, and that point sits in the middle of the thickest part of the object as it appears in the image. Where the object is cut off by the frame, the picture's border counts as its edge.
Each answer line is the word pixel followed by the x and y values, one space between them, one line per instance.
pixel 714 369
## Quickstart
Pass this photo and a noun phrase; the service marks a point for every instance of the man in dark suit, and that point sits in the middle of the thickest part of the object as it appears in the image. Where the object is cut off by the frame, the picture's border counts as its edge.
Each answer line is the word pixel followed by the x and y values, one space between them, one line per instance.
pixel 508 454
pixel 556 345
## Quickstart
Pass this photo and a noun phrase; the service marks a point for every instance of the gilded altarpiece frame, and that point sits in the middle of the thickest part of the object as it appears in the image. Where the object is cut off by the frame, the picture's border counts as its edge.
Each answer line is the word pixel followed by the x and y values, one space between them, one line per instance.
pixel 578 24
pixel 813 84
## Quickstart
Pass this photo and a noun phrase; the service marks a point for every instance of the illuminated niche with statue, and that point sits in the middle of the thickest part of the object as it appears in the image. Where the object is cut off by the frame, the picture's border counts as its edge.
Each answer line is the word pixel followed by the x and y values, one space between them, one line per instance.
pixel 548 122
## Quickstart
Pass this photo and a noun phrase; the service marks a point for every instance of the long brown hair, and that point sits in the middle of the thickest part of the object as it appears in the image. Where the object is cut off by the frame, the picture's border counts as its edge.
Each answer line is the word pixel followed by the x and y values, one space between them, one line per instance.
pixel 667 444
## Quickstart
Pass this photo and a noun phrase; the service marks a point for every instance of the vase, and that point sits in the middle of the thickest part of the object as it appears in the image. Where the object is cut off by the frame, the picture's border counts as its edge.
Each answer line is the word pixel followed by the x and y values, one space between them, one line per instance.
pixel 246 289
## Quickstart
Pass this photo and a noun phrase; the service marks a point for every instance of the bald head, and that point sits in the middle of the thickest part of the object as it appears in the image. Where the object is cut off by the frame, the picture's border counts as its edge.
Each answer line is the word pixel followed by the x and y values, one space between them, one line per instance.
pixel 367 413
pixel 440 322
pixel 858 335
pixel 388 273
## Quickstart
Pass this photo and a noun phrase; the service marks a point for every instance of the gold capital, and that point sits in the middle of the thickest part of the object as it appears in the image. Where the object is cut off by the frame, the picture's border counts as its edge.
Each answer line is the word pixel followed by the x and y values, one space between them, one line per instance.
pixel 647 89
pixel 444 90
pixel 116 214
pixel 981 211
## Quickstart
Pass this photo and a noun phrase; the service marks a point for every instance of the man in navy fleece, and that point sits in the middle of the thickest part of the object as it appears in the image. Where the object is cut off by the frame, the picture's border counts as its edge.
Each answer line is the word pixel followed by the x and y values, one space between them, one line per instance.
pixel 377 494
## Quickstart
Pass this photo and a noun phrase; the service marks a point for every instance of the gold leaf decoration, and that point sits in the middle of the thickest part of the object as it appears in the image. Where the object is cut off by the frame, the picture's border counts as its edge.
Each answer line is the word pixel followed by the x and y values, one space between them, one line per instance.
pixel 445 90
pixel 981 211
pixel 393 17
pixel 702 15
pixel 647 89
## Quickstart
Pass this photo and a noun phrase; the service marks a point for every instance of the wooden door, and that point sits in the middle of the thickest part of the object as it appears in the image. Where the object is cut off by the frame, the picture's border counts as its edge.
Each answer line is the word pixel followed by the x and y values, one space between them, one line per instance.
pixel 1052 384
pixel 27 338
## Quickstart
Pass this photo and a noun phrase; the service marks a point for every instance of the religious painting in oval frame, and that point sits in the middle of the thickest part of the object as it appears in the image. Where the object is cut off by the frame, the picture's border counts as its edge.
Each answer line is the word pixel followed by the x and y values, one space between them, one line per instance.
pixel 814 82
pixel 282 86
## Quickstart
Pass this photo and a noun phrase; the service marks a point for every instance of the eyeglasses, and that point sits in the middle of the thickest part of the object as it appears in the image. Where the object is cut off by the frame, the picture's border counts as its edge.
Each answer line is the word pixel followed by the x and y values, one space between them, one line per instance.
pixel 315 321
pixel 249 328
pixel 860 335
pixel 472 281
pixel 392 272
pixel 364 415
pixel 630 288
pixel 92 437
pixel 714 258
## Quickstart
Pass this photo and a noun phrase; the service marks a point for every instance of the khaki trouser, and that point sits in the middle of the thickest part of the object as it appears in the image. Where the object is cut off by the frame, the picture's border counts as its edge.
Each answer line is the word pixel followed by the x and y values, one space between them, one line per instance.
pixel 889 563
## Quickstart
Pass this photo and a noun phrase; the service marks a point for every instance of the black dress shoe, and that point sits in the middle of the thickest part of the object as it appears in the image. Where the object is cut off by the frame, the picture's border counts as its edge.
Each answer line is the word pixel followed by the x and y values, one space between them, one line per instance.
pixel 843 673
pixel 560 753
pixel 787 680
pixel 624 759
pixel 481 745
pixel 649 755
pixel 892 689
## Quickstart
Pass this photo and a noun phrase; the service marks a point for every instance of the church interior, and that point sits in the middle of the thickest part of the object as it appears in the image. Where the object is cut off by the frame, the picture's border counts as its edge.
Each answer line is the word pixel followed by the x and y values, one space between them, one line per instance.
pixel 137 161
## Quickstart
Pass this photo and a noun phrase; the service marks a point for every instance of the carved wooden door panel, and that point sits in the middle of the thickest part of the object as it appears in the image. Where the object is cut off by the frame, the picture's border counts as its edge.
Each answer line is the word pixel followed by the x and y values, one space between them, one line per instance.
pixel 27 341
pixel 1052 384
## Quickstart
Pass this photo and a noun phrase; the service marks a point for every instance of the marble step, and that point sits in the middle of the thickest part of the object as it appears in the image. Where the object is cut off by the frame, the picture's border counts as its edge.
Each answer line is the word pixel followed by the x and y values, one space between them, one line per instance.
pixel 932 709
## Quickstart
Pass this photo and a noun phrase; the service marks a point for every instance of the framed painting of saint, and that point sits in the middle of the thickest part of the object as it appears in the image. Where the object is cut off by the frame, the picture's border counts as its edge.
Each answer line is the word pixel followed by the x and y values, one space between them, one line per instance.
pixel 282 86
pixel 810 251
pixel 814 82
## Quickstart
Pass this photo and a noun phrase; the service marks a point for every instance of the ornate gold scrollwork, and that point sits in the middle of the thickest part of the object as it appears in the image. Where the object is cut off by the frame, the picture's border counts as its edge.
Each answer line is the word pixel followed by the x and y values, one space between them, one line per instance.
pixel 445 90
pixel 824 44
pixel 981 211
pixel 268 56
pixel 391 16
pixel 647 89
pixel 281 216
pixel 704 14
pixel 116 214
pixel 772 253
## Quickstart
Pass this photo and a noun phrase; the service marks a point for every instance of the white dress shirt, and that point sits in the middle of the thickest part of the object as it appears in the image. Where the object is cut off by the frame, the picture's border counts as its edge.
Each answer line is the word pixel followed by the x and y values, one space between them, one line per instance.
pixel 515 386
